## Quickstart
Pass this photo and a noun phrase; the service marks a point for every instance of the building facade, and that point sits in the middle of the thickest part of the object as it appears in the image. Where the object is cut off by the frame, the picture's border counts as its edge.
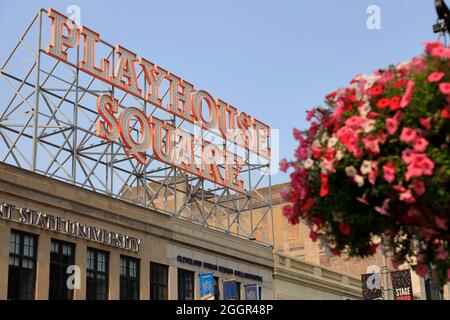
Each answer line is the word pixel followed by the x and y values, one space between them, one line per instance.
pixel 119 250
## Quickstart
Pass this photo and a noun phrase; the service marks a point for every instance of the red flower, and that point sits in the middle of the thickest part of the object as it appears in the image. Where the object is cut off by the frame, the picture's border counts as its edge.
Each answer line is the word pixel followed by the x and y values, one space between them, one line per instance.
pixel 331 95
pixel 400 84
pixel 421 270
pixel 429 46
pixel 297 135
pixel 384 103
pixel 324 185
pixel 313 235
pixel 395 103
pixel 335 252
pixel 344 228
pixel 445 113
pixel 376 91
pixel 316 152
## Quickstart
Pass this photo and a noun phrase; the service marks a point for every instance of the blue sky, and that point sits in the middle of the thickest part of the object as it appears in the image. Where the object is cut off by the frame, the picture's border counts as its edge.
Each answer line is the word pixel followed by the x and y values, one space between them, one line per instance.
pixel 271 59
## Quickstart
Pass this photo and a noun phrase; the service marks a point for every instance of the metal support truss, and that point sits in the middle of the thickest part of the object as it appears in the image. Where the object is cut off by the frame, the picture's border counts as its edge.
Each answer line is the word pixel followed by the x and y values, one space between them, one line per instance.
pixel 47 125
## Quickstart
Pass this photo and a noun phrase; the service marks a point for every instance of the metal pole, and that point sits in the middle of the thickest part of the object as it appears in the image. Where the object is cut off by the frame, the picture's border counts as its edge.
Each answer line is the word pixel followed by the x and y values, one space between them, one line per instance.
pixel 384 269
pixel 36 93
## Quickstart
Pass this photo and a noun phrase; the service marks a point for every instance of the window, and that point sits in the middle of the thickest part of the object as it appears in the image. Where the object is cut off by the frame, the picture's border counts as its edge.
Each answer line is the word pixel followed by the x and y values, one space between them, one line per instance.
pixel 22 266
pixel 185 285
pixel 62 255
pixel 97 275
pixel 216 289
pixel 158 281
pixel 129 278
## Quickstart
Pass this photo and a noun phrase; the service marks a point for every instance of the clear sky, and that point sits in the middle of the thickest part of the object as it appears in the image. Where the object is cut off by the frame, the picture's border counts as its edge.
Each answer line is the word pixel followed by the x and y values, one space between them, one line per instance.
pixel 271 59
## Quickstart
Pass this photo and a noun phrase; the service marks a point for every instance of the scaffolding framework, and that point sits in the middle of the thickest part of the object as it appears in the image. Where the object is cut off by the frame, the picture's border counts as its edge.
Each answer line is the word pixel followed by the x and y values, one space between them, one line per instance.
pixel 47 125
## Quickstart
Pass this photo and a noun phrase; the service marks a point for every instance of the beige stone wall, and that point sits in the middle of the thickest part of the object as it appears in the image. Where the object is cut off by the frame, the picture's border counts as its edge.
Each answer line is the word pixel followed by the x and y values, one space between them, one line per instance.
pixel 296 279
pixel 163 237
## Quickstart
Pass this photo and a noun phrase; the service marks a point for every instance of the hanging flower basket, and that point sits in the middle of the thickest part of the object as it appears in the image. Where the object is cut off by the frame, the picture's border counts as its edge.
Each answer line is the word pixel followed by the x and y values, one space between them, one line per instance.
pixel 375 162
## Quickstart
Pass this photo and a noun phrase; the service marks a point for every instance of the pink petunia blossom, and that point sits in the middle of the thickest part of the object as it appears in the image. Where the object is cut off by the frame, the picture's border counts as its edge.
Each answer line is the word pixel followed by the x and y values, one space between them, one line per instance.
pixel 407 197
pixel 440 52
pixel 419 187
pixel 391 125
pixel 297 134
pixel 420 144
pixel 441 223
pixel 384 208
pixel 429 46
pixel 441 253
pixel 284 165
pixel 389 172
pixel 426 123
pixel 408 135
pixel 354 122
pixel 407 97
pixel 371 144
pixel 420 165
pixel 407 155
pixel 445 88
pixel 435 77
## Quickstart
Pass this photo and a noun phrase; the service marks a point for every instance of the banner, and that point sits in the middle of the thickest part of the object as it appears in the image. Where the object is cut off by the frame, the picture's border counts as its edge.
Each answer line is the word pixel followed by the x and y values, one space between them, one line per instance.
pixel 206 286
pixel 371 286
pixel 230 290
pixel 252 292
pixel 402 285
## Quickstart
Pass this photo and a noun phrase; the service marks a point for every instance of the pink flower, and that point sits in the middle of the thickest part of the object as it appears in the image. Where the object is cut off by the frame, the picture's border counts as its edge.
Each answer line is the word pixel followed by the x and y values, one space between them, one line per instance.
pixel 354 122
pixel 384 208
pixel 389 172
pixel 407 155
pixel 445 88
pixel 371 144
pixel 435 77
pixel 407 197
pixel 297 134
pixel 440 52
pixel 441 223
pixel 311 114
pixel 288 211
pixel 408 135
pixel 420 165
pixel 284 165
pixel 419 187
pixel 429 46
pixel 426 123
pixel 420 144
pixel 441 253
pixel 407 97
pixel 421 270
pixel 391 125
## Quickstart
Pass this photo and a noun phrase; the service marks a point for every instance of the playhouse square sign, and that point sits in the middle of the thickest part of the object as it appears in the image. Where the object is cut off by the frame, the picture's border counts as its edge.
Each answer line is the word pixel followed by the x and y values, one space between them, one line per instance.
pixel 217 164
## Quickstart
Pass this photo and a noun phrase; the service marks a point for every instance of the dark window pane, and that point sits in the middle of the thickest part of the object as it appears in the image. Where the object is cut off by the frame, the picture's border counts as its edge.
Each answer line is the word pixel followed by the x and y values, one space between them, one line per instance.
pixel 61 257
pixel 22 266
pixel 185 285
pixel 158 281
pixel 97 275
pixel 129 278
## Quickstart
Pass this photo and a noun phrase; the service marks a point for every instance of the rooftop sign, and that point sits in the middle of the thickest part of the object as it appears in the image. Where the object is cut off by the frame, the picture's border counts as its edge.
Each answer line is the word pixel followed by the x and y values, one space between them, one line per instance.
pixel 169 144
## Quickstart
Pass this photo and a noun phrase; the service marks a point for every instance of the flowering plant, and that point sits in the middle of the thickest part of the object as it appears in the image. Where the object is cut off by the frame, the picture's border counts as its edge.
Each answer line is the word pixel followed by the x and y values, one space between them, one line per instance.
pixel 375 163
